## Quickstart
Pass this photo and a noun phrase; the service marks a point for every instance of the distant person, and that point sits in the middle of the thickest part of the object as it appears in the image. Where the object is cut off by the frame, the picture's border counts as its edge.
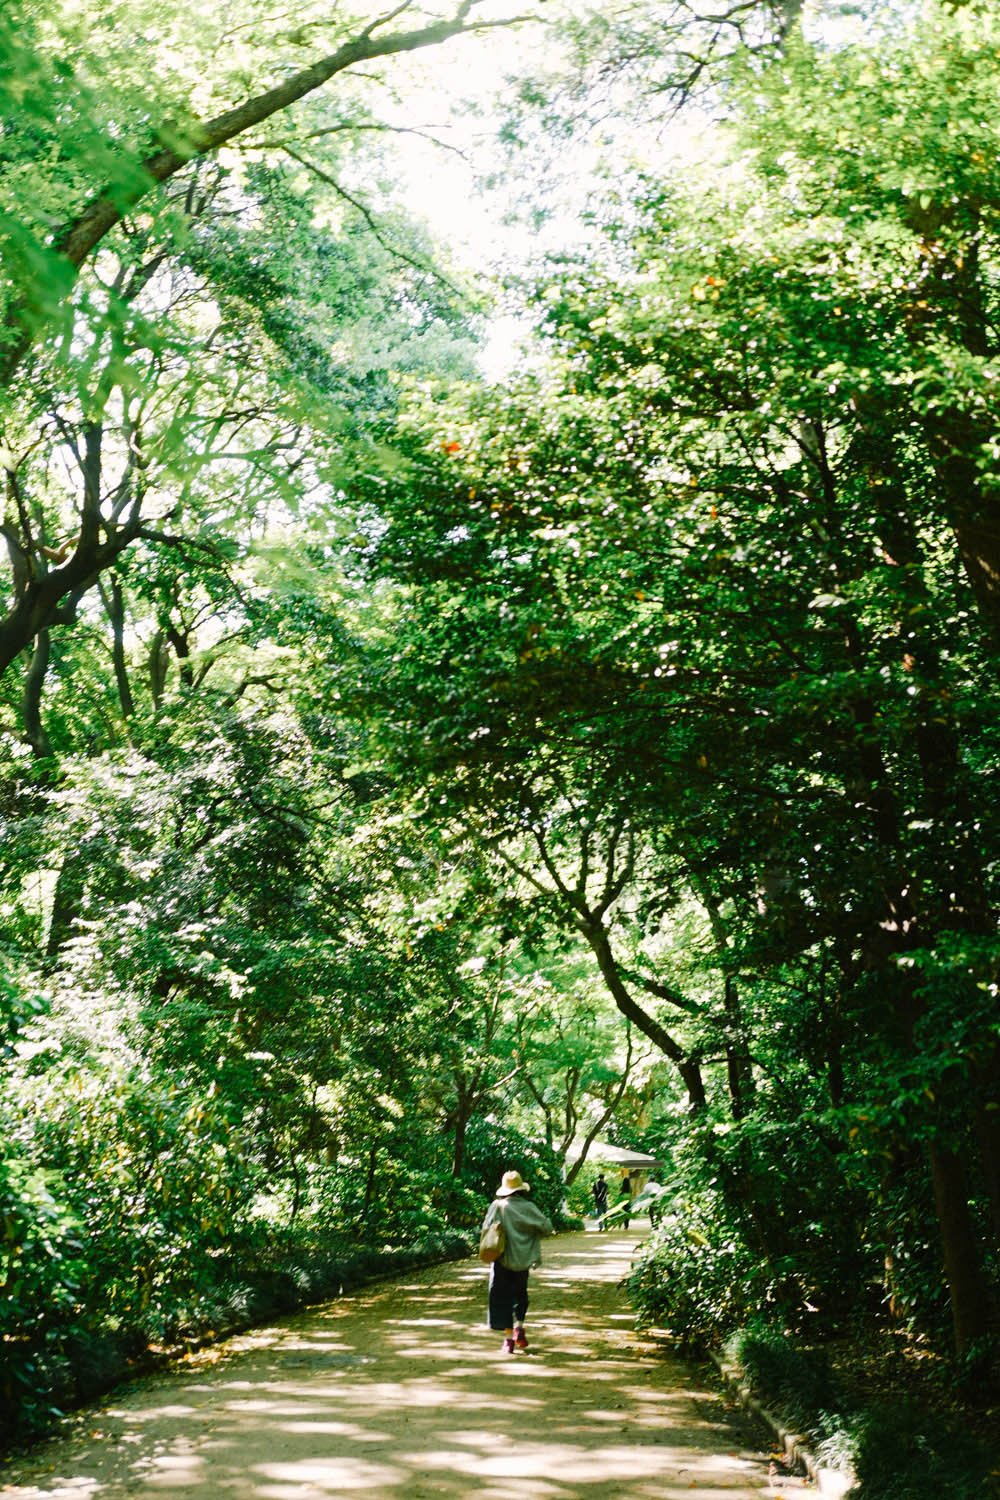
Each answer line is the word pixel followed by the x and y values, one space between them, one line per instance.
pixel 625 1199
pixel 523 1225
pixel 600 1191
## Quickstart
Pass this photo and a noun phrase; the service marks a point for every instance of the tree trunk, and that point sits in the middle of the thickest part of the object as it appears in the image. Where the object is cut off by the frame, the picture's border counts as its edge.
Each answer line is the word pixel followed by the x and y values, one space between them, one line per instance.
pixel 53 598
pixel 297 1186
pixel 739 1066
pixel 458 1148
pixel 115 608
pixel 370 1182
pixel 966 1287
pixel 31 698
pixel 66 901
pixel 739 1069
pixel 687 1066
pixel 158 662
pixel 181 643
pixel 988 1134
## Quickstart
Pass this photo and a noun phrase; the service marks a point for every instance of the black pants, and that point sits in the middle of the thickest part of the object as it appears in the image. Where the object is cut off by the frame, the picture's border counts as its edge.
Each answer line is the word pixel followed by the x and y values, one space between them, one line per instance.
pixel 508 1297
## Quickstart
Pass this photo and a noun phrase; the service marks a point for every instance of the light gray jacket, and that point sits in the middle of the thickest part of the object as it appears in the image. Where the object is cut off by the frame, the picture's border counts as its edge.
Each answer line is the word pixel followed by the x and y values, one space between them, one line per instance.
pixel 524 1225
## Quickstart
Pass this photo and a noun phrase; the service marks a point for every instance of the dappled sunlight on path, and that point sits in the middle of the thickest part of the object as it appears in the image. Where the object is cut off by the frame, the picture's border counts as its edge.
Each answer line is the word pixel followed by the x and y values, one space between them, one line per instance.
pixel 400 1391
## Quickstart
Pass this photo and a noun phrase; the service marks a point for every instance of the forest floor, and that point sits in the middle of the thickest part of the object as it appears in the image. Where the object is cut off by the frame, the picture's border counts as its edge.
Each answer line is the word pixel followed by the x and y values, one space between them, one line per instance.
pixel 400 1391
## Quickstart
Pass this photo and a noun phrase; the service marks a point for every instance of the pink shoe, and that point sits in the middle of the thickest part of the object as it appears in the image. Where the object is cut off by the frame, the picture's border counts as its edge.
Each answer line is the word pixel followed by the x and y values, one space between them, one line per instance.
pixel 507 1347
pixel 520 1339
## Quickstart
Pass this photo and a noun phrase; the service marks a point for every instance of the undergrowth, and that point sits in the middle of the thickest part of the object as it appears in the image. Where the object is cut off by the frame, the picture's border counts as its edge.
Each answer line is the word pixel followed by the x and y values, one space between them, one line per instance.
pixel 899 1450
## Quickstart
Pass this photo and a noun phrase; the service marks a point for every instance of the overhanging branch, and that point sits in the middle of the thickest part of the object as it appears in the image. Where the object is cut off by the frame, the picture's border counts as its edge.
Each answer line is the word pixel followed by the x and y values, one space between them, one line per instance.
pixel 77 239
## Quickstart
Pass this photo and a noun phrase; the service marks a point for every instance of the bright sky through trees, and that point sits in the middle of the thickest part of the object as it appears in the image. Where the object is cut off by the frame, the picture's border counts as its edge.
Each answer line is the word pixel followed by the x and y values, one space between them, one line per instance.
pixel 478 195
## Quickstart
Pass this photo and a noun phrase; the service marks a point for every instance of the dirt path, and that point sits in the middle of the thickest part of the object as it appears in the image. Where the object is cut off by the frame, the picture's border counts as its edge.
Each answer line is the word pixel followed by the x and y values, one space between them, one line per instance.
pixel 399 1392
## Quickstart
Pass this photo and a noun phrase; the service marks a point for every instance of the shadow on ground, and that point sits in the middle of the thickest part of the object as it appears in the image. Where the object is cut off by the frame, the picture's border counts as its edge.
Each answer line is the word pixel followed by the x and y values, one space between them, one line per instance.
pixel 401 1392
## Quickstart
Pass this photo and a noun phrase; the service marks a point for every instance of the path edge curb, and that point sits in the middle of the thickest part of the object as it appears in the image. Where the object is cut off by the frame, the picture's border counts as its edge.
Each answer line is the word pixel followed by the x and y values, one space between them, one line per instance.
pixel 831 1483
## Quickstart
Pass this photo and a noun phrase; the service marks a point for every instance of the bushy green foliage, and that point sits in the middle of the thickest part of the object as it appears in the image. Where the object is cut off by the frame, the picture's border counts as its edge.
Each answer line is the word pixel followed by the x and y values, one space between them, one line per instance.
pixel 132 1214
pixel 42 1267
pixel 408 1202
pixel 122 1196
pixel 797 1380
pixel 150 1176
pixel 905 1452
pixel 695 1276
pixel 495 1148
pixel 898 1451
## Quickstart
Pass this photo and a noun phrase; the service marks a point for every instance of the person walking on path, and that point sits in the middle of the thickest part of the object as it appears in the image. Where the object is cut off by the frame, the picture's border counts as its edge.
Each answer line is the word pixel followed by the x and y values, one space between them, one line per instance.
pixel 625 1198
pixel 523 1225
pixel 601 1199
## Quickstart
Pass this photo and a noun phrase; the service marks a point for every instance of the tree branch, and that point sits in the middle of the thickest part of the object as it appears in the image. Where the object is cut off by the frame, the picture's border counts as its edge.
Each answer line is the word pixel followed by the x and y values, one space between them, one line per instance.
pixel 662 992
pixel 107 207
pixel 355 127
pixel 418 265
pixel 600 1123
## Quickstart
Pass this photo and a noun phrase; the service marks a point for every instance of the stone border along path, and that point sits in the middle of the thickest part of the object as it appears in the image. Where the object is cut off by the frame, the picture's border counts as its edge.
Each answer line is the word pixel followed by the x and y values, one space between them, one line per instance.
pixel 399 1392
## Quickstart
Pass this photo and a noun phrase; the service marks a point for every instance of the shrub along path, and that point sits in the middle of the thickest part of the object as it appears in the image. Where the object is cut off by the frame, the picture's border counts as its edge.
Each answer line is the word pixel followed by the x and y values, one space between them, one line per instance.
pixel 399 1392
